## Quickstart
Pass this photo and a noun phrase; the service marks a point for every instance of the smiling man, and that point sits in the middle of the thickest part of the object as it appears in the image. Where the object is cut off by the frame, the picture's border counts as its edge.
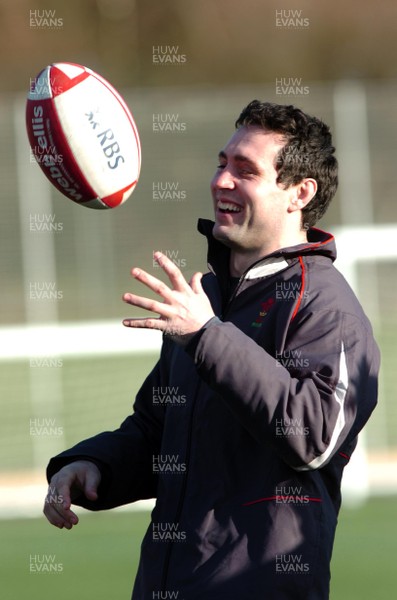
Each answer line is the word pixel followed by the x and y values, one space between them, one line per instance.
pixel 255 215
pixel 277 366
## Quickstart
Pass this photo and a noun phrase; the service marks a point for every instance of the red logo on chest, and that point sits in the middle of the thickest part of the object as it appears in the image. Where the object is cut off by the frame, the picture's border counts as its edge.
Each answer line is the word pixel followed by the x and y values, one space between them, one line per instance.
pixel 265 307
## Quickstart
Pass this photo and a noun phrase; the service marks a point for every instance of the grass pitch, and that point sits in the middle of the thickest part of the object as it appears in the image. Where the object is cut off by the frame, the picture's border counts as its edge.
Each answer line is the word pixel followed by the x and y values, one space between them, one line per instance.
pixel 98 558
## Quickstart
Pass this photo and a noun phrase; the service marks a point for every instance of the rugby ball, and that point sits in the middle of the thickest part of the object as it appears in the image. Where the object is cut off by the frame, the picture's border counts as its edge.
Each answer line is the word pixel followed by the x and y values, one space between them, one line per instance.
pixel 83 135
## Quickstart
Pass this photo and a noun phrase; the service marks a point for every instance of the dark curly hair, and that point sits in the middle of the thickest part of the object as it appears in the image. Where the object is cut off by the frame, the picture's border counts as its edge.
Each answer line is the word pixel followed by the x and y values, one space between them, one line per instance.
pixel 308 151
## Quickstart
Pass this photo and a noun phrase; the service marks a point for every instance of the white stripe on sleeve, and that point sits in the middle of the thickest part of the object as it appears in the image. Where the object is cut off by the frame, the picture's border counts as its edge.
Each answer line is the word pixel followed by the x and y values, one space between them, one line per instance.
pixel 339 395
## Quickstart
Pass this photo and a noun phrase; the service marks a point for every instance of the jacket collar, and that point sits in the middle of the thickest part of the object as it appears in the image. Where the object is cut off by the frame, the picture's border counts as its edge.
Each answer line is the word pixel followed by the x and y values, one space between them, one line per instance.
pixel 319 243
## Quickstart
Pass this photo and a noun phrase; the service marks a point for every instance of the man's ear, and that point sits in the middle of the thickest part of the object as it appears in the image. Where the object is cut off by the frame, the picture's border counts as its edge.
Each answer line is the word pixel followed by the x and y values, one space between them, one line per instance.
pixel 303 192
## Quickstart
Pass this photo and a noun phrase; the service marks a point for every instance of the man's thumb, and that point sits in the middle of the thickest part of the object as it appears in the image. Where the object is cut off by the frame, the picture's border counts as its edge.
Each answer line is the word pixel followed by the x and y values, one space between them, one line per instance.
pixel 195 283
pixel 91 486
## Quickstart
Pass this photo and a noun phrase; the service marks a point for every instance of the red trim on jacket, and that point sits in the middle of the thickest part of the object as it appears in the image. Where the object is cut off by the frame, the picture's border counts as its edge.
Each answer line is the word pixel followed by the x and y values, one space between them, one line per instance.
pixel 283 499
pixel 301 290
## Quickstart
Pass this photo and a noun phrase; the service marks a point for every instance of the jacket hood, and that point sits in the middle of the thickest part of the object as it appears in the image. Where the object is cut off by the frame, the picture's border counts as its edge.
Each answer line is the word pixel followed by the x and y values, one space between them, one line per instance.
pixel 319 243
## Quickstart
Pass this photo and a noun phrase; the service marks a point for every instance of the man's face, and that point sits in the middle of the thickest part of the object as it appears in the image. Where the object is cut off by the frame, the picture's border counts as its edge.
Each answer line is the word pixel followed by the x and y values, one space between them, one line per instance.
pixel 250 206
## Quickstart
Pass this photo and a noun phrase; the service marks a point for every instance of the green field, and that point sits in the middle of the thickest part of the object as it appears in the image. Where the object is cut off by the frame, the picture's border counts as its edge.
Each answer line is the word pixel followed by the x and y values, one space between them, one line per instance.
pixel 98 558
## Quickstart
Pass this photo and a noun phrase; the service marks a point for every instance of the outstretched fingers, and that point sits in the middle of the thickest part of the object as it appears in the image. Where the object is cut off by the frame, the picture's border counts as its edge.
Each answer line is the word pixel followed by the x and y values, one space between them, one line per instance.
pixel 142 323
pixel 185 307
pixel 173 272
pixel 161 308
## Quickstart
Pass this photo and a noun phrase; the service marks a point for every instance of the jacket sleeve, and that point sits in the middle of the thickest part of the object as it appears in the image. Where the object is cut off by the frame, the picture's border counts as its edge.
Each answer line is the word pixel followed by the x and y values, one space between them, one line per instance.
pixel 124 456
pixel 308 400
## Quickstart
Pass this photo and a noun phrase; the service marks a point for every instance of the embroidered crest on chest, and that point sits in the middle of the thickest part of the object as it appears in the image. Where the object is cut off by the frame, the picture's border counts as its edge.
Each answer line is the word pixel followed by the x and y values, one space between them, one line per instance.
pixel 264 310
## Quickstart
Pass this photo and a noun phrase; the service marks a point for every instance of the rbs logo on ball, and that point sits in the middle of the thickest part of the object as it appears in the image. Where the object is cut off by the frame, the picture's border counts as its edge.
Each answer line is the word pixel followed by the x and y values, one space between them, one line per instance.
pixel 111 149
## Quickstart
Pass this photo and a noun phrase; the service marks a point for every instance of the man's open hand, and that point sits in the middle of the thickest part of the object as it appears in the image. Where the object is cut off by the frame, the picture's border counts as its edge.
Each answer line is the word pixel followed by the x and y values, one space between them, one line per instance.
pixel 79 477
pixel 185 307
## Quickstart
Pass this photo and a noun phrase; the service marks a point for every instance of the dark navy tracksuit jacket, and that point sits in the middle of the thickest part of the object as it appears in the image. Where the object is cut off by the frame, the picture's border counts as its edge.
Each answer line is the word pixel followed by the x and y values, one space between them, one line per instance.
pixel 242 435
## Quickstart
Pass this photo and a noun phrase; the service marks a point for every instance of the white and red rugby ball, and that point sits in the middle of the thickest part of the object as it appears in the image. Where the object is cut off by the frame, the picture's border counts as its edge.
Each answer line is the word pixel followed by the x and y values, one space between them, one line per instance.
pixel 83 135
